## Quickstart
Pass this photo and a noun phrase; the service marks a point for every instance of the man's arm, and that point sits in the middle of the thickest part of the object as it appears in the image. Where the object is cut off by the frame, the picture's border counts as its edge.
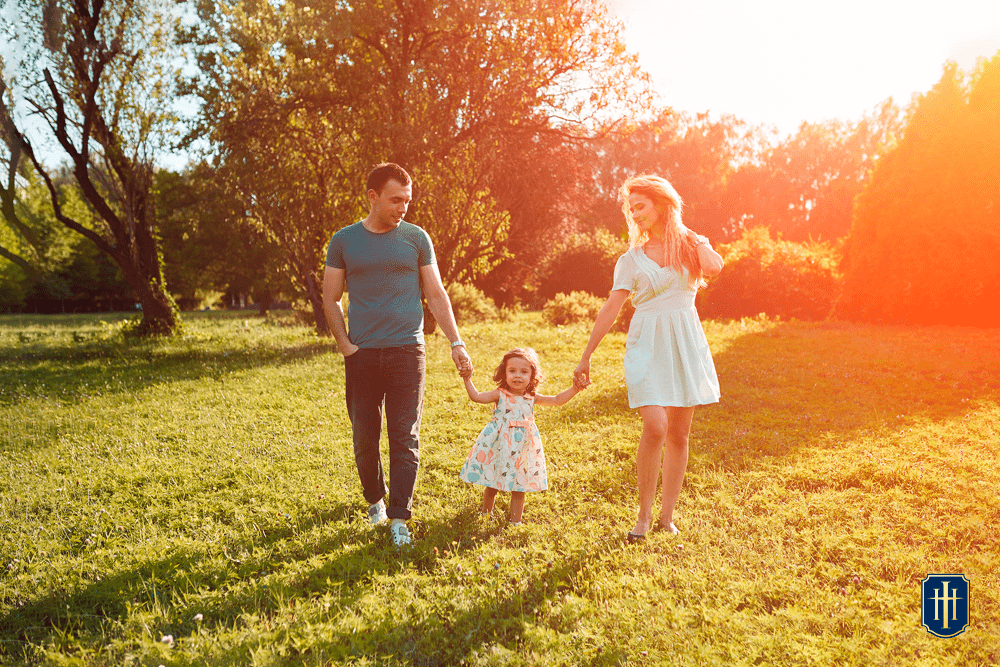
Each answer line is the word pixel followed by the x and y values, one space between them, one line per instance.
pixel 440 305
pixel 333 290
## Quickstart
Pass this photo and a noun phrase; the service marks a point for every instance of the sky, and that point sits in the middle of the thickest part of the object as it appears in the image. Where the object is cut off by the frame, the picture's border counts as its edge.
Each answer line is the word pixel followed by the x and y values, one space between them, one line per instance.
pixel 782 62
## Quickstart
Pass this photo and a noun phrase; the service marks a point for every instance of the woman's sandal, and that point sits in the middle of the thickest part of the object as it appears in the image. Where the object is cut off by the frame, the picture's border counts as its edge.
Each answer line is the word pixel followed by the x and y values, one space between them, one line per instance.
pixel 632 538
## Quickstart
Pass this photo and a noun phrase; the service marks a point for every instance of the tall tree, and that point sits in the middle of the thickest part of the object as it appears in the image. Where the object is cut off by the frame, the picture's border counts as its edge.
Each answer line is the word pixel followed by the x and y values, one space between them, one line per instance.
pixel 95 76
pixel 323 90
pixel 927 225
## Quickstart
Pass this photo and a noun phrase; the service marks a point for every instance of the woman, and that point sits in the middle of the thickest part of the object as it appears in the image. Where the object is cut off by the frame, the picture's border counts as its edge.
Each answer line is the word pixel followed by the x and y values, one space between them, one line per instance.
pixel 668 366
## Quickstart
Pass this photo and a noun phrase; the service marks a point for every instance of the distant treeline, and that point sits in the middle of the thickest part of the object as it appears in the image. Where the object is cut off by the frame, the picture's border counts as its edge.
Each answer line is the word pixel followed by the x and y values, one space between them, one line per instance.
pixel 889 218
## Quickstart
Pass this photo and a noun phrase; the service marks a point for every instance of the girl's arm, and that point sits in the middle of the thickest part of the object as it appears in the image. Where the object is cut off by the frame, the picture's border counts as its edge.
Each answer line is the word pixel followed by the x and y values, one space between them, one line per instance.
pixel 602 325
pixel 480 397
pixel 559 399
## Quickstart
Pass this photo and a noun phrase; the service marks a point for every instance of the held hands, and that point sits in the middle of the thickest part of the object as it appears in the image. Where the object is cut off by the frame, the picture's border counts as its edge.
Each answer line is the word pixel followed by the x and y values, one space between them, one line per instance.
pixel 581 376
pixel 463 362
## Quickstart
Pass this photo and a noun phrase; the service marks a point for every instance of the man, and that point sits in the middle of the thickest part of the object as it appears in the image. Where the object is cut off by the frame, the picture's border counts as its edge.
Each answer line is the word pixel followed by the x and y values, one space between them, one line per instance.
pixel 383 262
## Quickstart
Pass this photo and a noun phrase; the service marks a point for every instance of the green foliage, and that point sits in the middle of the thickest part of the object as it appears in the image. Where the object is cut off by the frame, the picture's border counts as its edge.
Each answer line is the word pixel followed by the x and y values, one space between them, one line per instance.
pixel 733 175
pixel 926 229
pixel 804 187
pixel 303 99
pixel 210 249
pixel 772 276
pixel 582 263
pixel 202 490
pixel 95 83
pixel 572 308
pixel 63 266
pixel 470 304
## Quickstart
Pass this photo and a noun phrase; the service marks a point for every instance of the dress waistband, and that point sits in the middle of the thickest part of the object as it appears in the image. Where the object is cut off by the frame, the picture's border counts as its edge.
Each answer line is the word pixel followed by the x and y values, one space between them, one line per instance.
pixel 666 304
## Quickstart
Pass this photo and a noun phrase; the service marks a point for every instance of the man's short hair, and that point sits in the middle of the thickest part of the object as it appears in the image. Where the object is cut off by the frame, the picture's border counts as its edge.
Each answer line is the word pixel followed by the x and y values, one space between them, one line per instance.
pixel 385 172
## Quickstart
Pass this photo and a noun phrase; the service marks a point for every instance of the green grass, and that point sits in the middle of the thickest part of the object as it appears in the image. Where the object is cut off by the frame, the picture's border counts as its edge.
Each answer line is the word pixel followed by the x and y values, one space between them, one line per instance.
pixel 203 487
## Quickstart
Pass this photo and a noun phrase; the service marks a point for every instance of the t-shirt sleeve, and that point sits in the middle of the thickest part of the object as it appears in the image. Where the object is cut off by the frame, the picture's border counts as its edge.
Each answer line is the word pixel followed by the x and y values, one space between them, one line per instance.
pixel 335 254
pixel 425 249
pixel 625 274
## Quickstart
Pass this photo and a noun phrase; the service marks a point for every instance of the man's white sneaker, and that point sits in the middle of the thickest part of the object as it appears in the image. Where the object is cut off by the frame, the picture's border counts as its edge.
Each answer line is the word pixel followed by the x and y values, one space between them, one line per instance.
pixel 400 534
pixel 376 513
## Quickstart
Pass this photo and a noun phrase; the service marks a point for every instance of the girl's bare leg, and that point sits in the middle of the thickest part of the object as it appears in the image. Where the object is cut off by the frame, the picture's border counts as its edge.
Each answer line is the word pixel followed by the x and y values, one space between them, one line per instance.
pixel 516 506
pixel 647 463
pixel 489 497
pixel 675 458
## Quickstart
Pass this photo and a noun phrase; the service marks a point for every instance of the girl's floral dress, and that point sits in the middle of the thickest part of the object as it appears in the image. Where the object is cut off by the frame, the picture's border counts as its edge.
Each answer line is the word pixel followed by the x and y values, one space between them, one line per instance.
pixel 508 453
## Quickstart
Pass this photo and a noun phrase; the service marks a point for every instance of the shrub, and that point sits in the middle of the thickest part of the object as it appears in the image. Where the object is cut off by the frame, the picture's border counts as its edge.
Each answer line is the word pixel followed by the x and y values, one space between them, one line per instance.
pixel 470 304
pixel 571 308
pixel 773 276
pixel 509 313
pixel 583 262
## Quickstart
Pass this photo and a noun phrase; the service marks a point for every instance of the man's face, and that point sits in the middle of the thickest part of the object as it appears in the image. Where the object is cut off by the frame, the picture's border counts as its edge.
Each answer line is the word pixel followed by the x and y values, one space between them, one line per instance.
pixel 389 206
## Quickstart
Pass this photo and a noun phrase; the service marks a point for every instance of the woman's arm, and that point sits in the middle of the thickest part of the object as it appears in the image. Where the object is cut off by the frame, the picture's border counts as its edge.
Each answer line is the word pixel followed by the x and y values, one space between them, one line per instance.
pixel 480 397
pixel 602 325
pixel 711 261
pixel 559 399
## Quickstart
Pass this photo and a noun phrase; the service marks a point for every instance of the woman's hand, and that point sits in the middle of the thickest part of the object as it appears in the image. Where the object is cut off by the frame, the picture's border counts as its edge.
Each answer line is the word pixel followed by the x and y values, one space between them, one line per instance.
pixel 581 376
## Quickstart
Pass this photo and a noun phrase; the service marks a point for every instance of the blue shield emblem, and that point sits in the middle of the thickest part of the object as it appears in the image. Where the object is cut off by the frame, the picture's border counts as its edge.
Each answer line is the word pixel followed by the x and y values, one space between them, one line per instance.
pixel 944 604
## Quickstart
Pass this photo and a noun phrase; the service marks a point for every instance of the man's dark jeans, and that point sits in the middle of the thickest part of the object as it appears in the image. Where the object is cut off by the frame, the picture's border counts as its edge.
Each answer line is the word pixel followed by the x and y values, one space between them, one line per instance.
pixel 394 377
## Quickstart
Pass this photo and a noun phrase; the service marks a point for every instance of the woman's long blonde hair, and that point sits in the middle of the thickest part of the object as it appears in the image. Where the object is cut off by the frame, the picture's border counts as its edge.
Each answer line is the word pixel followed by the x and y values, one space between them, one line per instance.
pixel 679 241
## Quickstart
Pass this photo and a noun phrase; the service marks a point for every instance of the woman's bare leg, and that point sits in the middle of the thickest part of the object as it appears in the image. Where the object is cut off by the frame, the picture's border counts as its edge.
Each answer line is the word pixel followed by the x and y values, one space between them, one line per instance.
pixel 647 463
pixel 675 458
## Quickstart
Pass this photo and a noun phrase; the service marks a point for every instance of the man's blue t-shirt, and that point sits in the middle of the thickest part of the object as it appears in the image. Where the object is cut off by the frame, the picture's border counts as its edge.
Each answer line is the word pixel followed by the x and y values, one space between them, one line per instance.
pixel 382 272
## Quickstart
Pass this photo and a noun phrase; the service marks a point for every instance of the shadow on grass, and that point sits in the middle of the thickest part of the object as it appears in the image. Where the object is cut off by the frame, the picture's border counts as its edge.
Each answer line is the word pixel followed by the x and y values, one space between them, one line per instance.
pixel 800 385
pixel 250 583
pixel 93 369
pixel 215 575
pixel 784 389
pixel 497 608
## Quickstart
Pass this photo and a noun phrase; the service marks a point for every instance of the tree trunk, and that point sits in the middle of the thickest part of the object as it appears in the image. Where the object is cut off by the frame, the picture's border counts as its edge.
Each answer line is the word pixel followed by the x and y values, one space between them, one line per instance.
pixel 316 300
pixel 264 297
pixel 159 313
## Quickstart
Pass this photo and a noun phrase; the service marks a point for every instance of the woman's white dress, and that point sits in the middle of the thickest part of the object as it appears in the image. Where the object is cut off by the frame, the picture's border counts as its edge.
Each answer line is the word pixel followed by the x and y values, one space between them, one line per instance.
pixel 667 360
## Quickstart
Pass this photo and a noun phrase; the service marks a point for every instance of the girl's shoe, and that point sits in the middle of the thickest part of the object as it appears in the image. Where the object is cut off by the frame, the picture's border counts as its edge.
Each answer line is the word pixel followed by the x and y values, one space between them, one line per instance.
pixel 400 534
pixel 514 524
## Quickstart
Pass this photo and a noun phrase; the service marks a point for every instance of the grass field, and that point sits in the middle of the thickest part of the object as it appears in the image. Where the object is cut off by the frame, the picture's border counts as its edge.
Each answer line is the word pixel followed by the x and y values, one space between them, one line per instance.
pixel 194 501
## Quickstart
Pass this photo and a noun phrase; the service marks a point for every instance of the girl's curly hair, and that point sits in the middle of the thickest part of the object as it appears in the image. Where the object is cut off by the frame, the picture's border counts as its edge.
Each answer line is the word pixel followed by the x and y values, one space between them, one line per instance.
pixel 529 355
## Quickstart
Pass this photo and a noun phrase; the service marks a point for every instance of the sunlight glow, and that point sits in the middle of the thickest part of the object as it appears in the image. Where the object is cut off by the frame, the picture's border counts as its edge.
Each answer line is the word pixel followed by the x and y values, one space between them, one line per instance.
pixel 783 62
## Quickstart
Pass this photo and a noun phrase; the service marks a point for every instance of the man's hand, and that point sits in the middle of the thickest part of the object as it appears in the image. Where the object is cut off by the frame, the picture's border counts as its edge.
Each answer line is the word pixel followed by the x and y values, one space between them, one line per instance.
pixel 463 362
pixel 349 349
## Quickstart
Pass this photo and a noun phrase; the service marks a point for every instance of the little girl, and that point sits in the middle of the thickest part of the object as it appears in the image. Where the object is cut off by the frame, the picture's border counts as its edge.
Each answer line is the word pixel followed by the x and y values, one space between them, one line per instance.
pixel 508 453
